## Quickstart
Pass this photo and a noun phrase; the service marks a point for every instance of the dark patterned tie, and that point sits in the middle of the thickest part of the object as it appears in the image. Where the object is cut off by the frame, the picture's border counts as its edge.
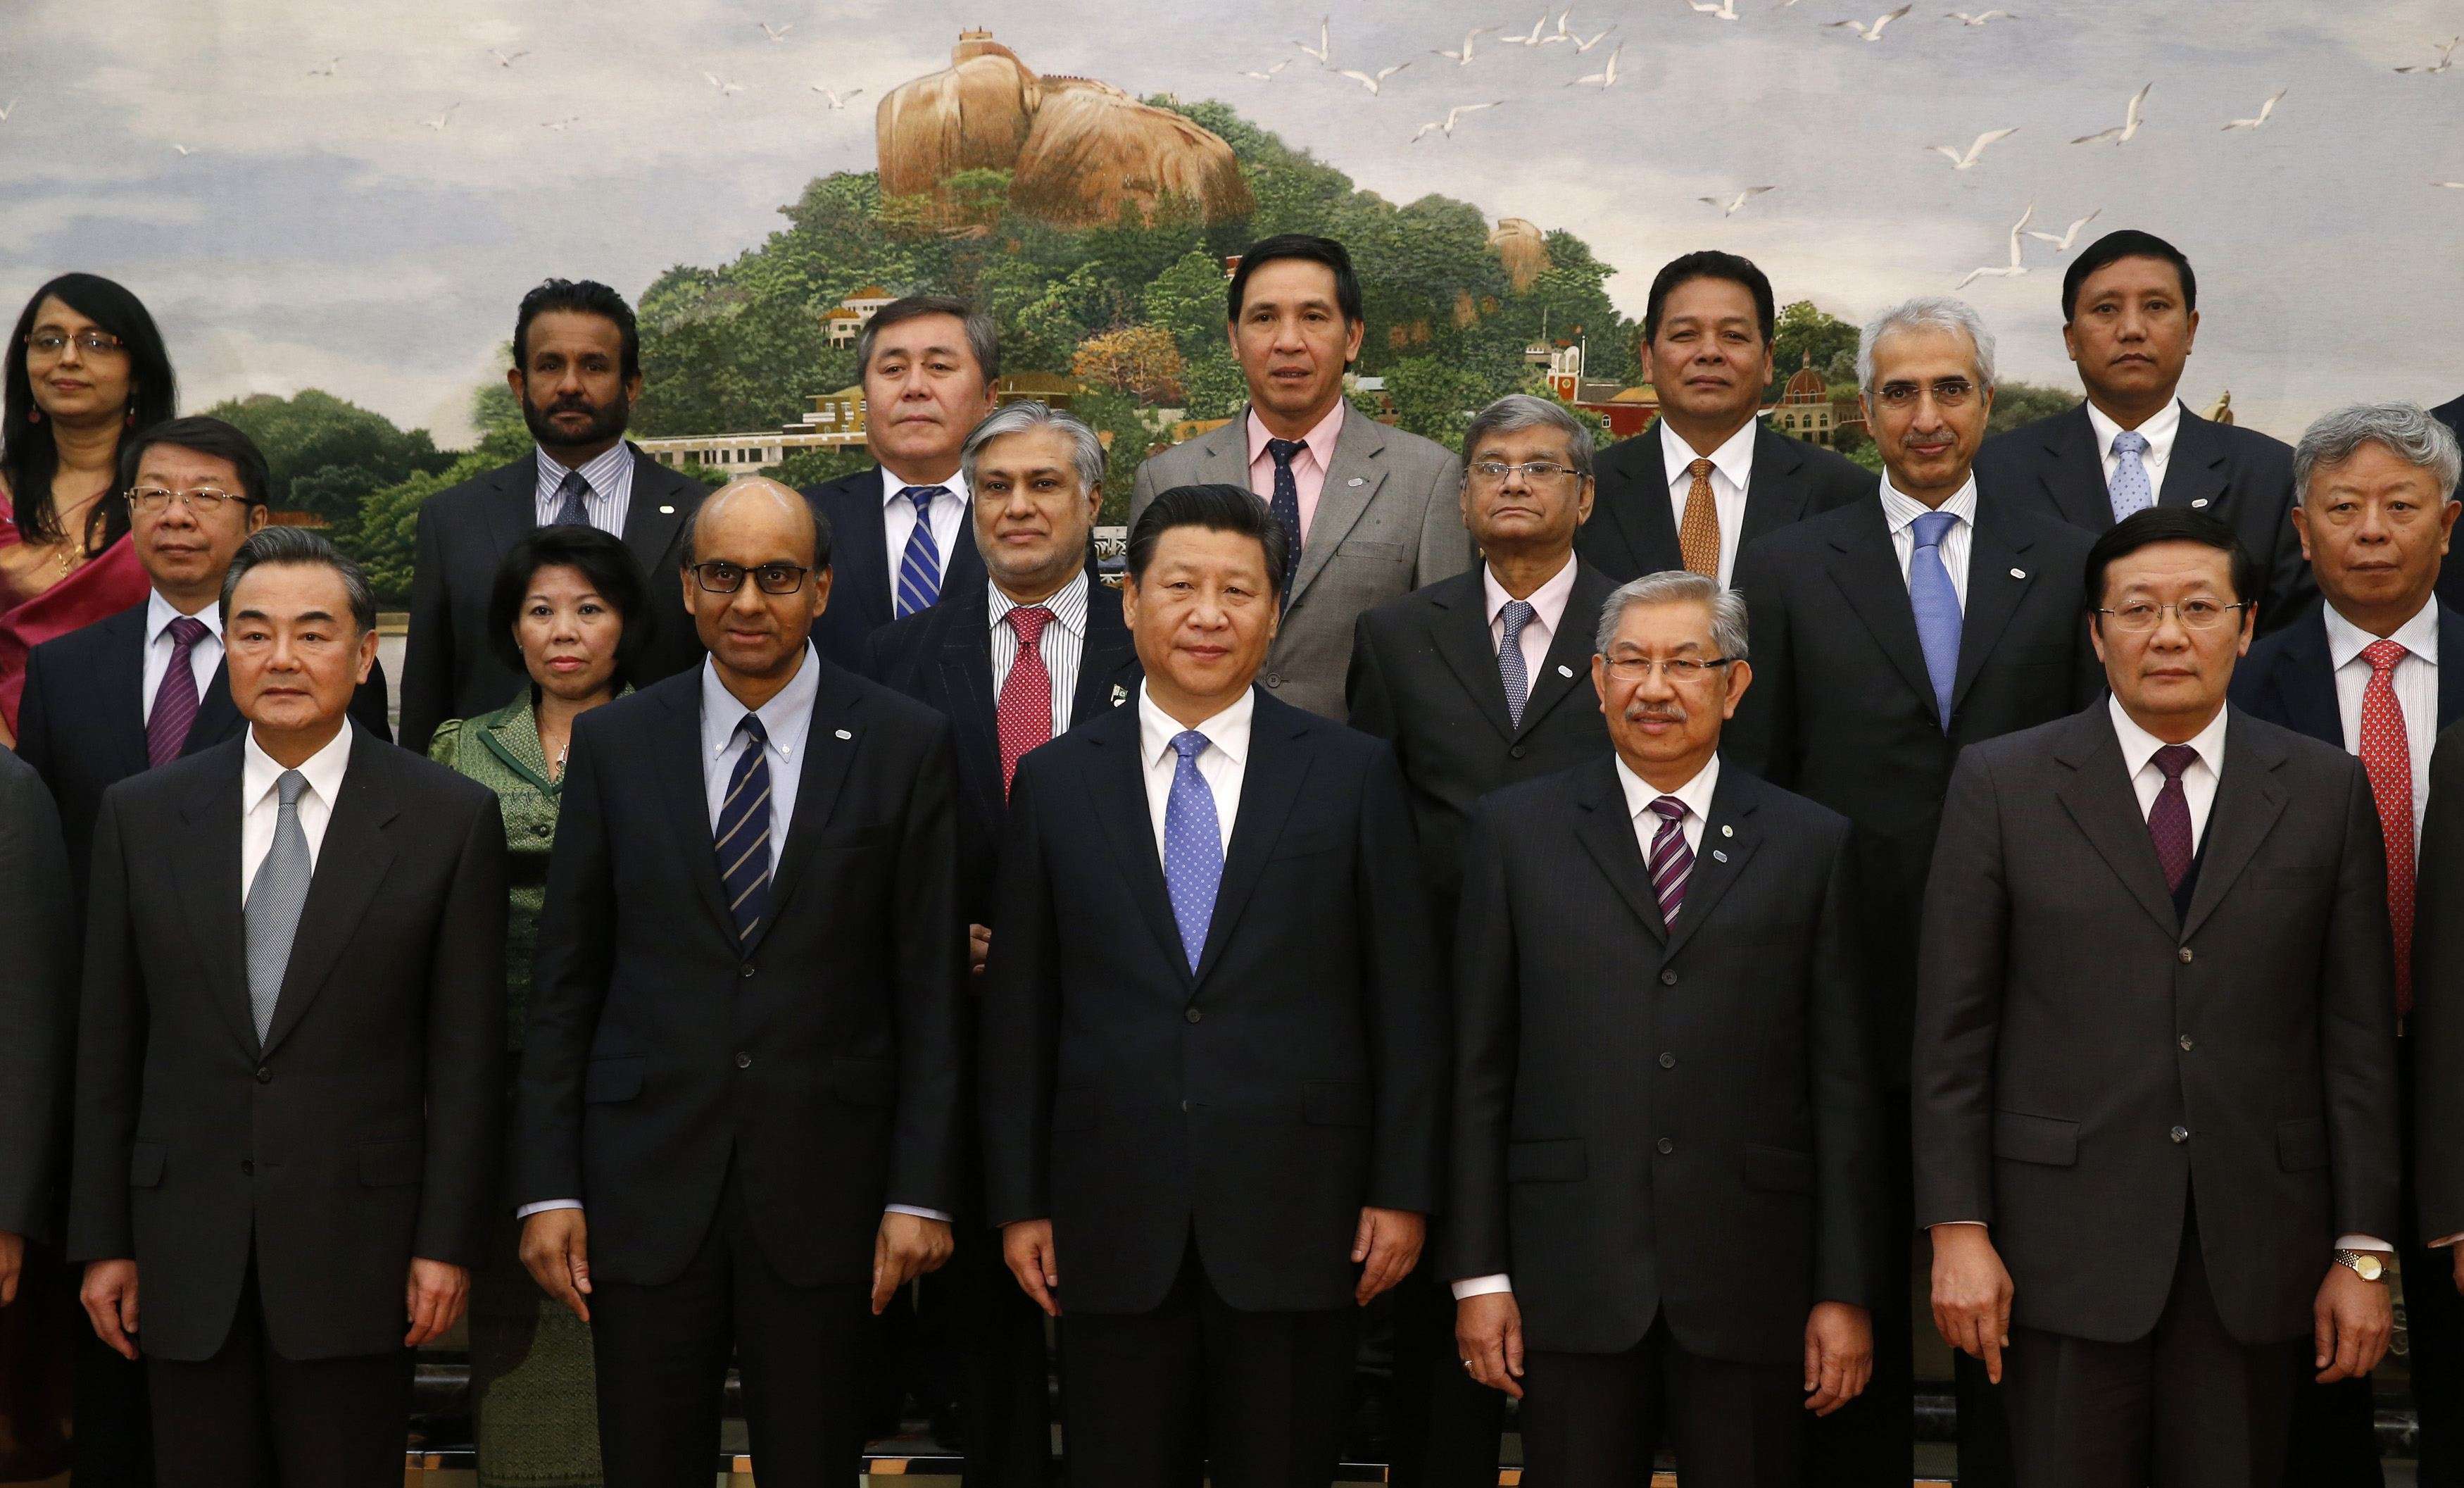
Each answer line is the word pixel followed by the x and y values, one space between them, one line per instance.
pixel 1672 861
pixel 744 838
pixel 175 701
pixel 572 497
pixel 1510 669
pixel 2169 820
pixel 1286 504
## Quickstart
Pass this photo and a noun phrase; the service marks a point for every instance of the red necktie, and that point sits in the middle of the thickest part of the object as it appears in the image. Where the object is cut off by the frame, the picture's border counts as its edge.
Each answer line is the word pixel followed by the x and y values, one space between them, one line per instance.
pixel 1024 714
pixel 2386 758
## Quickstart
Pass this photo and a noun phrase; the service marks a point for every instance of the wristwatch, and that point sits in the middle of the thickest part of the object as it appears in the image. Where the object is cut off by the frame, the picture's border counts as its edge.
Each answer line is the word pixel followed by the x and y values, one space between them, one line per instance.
pixel 2368 1265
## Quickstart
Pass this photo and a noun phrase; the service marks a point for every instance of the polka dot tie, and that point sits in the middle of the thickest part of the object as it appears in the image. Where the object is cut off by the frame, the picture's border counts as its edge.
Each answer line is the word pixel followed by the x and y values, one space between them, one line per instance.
pixel 2386 758
pixel 2130 492
pixel 1024 713
pixel 1698 532
pixel 1193 846
pixel 2169 820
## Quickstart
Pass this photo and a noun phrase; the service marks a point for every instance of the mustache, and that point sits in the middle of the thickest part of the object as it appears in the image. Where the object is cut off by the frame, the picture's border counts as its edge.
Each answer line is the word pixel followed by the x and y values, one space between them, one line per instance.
pixel 1655 712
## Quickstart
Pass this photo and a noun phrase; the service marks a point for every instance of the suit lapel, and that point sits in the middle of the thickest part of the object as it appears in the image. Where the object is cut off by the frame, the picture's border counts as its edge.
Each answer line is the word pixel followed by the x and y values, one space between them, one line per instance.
pixel 964 657
pixel 858 553
pixel 1867 571
pixel 2099 800
pixel 512 507
pixel 204 863
pixel 218 719
pixel 830 744
pixel 2304 675
pixel 1998 579
pixel 1269 784
pixel 1567 668
pixel 2196 474
pixel 2450 666
pixel 1606 831
pixel 1728 839
pixel 1774 496
pixel 675 747
pixel 1108 653
pixel 1117 784
pixel 2074 471
pixel 2249 799
pixel 1645 519
pixel 1352 478
pixel 653 515
pixel 124 696
pixel 1460 632
pixel 351 863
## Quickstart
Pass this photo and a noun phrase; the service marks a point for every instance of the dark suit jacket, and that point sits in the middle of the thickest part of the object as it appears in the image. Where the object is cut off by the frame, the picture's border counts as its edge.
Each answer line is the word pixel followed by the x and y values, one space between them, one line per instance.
pixel 1259 1103
pixel 2436 1027
pixel 863 585
pixel 2053 466
pixel 2289 680
pixel 2241 1058
pixel 1841 708
pixel 82 723
pixel 822 1061
pixel 2451 575
pixel 1646 1115
pixel 942 657
pixel 1632 531
pixel 449 670
pixel 365 1130
pixel 1424 678
pixel 38 1000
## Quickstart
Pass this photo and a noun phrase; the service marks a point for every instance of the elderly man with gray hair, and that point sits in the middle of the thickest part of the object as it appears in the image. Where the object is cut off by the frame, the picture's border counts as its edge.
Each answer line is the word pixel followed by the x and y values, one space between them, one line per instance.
pixel 1890 635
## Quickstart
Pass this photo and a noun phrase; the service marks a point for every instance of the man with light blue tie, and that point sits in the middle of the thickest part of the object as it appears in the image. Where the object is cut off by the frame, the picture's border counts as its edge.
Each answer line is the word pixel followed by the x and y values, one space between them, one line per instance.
pixel 1888 636
pixel 899 531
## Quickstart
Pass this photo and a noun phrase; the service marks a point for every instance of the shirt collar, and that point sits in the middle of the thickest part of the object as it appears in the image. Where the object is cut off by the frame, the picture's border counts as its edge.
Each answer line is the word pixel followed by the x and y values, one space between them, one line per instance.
pixel 1069 606
pixel 1320 440
pixel 2138 746
pixel 2158 431
pixel 260 772
pixel 786 718
pixel 892 485
pixel 1734 458
pixel 602 470
pixel 1227 731
pixel 1900 511
pixel 1547 601
pixel 1696 793
pixel 2418 635
pixel 160 612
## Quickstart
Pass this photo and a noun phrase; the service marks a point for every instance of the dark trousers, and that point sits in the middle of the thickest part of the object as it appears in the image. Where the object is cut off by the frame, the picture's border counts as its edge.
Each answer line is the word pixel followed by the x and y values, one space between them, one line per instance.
pixel 662 1353
pixel 1596 1420
pixel 250 1419
pixel 2187 1406
pixel 996 1335
pixel 115 1421
pixel 1444 1424
pixel 1265 1395
pixel 1871 1442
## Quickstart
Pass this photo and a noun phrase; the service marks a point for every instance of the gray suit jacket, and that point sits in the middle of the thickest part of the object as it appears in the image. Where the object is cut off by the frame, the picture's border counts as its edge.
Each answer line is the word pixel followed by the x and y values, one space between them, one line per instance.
pixel 1389 520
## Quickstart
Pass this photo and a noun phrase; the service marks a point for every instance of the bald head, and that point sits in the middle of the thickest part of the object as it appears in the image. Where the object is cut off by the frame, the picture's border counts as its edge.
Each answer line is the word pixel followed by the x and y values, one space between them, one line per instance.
pixel 773 510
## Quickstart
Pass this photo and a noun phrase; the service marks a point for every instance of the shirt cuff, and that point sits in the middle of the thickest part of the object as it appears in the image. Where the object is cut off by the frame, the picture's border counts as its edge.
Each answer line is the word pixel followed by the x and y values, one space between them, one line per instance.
pixel 528 1209
pixel 2362 1242
pixel 1481 1286
pixel 1978 1223
pixel 921 1213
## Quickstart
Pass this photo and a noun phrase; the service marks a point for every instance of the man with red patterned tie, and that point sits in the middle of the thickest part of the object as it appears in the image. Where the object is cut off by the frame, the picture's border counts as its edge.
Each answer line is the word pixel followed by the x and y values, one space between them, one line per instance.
pixel 1036 648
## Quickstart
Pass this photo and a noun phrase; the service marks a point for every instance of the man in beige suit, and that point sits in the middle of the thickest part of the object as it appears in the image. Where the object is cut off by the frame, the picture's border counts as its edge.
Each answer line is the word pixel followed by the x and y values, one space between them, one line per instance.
pixel 1370 513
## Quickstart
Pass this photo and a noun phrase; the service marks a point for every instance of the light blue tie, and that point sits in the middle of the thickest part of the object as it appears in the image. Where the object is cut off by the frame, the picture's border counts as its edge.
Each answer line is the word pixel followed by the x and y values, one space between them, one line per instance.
pixel 1511 670
pixel 1193 847
pixel 2132 492
pixel 919 569
pixel 1937 607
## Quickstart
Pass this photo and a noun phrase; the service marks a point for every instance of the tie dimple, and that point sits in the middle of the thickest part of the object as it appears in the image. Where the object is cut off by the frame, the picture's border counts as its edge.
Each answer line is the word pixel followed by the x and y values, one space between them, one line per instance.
pixel 1511 670
pixel 2387 758
pixel 2132 492
pixel 1285 503
pixel 1697 534
pixel 920 567
pixel 1023 714
pixel 1672 861
pixel 1936 604
pixel 175 698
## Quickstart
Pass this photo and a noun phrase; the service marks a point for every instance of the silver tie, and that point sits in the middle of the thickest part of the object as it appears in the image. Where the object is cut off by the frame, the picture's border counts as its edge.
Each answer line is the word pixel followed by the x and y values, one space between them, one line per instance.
pixel 275 896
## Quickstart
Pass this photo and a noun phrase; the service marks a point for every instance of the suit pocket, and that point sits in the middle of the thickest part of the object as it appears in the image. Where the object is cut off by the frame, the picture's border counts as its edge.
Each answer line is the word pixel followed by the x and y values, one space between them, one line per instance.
pixel 606 1080
pixel 145 1165
pixel 1778 1171
pixel 2301 1145
pixel 385 1165
pixel 2038 656
pixel 1385 552
pixel 2036 1139
pixel 1076 1110
pixel 1334 1104
pixel 2303 879
pixel 1547 1162
pixel 864 1081
pixel 1304 844
pixel 849 839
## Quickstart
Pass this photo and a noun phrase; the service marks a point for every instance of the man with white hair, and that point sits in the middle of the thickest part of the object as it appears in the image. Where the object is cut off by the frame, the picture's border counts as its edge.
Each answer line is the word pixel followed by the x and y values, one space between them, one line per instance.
pixel 1888 636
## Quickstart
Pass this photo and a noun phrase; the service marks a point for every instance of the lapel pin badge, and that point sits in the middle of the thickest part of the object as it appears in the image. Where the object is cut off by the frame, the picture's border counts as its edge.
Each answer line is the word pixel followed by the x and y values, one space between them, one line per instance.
pixel 1719 856
pixel 2018 573
pixel 1564 669
pixel 843 734
pixel 1357 480
pixel 1120 694
pixel 2200 502
pixel 666 511
pixel 1727 830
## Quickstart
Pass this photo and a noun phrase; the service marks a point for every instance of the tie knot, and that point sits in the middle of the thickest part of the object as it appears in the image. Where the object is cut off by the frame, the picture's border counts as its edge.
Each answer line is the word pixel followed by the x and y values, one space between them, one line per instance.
pixel 1285 450
pixel 1669 809
pixel 1028 621
pixel 1189 744
pixel 1699 468
pixel 2383 654
pixel 2173 759
pixel 1517 613
pixel 2130 442
pixel 751 728
pixel 922 497
pixel 188 629
pixel 288 786
pixel 1932 528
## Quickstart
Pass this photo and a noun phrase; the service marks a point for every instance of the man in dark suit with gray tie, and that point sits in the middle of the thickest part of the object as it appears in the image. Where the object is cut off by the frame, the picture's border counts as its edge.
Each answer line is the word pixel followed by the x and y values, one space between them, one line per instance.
pixel 2156 1114
pixel 290 1053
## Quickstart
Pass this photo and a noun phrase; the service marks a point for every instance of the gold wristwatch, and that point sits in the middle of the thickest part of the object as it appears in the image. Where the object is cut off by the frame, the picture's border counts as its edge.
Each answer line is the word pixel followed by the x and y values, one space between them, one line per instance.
pixel 2368 1265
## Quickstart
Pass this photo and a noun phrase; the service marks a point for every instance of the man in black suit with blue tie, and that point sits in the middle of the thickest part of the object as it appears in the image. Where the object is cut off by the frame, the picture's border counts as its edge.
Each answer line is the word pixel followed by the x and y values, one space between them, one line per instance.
pixel 2379 673
pixel 1215 1035
pixel 898 531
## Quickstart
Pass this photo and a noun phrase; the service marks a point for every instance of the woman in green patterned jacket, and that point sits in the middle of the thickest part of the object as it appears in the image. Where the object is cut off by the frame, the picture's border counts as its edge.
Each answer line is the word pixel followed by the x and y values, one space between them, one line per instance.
pixel 569 610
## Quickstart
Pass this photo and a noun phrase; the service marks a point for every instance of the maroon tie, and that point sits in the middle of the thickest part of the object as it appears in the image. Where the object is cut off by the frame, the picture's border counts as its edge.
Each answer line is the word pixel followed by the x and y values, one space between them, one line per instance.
pixel 1024 714
pixel 175 701
pixel 2169 820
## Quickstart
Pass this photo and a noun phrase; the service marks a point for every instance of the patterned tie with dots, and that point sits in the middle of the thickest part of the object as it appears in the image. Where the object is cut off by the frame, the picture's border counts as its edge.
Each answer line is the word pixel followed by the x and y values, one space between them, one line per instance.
pixel 2169 820
pixel 1193 846
pixel 1285 503
pixel 1023 717
pixel 1697 534
pixel 1510 669
pixel 2132 492
pixel 2386 758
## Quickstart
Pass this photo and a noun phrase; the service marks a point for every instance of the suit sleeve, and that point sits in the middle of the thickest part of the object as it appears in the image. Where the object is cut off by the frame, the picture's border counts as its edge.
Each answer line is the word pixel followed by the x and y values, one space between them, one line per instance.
pixel 1961 967
pixel 1848 1123
pixel 369 705
pixel 1406 1000
pixel 1142 490
pixel 1020 1042
pixel 466 1051
pixel 34 718
pixel 1488 1013
pixel 577 942
pixel 111 1054
pixel 2357 1027
pixel 1369 702
pixel 428 651
pixel 1445 544
pixel 2437 1024
pixel 1762 737
pixel 36 923
pixel 928 938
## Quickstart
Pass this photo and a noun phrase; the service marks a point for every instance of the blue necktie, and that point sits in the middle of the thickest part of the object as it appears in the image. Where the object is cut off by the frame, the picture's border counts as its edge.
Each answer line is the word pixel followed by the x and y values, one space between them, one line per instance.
pixel 572 497
pixel 1937 607
pixel 743 833
pixel 1193 847
pixel 2132 492
pixel 1511 670
pixel 1286 505
pixel 919 572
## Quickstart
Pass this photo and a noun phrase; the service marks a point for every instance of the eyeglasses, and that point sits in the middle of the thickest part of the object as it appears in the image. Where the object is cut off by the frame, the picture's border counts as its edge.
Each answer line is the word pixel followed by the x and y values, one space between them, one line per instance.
pixel 1950 394
pixel 2196 614
pixel 1683 672
pixel 770 578
pixel 205 501
pixel 1495 472
pixel 93 343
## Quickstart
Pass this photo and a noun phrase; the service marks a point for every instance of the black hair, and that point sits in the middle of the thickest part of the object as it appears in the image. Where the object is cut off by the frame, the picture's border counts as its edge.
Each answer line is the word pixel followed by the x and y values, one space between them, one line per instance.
pixel 603 559
pixel 205 436
pixel 2114 247
pixel 1308 249
pixel 580 297
pixel 983 340
pixel 812 506
pixel 2152 525
pixel 1217 508
pixel 284 546
pixel 1710 265
pixel 29 456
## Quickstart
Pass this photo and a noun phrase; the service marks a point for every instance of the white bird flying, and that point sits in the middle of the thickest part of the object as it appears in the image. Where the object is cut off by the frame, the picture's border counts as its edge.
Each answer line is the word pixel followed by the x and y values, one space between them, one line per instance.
pixel 2264 109
pixel 1463 59
pixel 2016 268
pixel 2446 56
pixel 1325 53
pixel 1582 46
pixel 1539 32
pixel 331 67
pixel 1722 9
pixel 1560 34
pixel 1373 84
pixel 2453 185
pixel 504 60
pixel 2070 235
pixel 1453 115
pixel 1269 72
pixel 1606 78
pixel 2121 133
pixel 837 99
pixel 1729 205
pixel 776 34
pixel 1874 32
pixel 1975 151
pixel 5 112
pixel 439 123
pixel 184 149
pixel 724 88
pixel 1980 18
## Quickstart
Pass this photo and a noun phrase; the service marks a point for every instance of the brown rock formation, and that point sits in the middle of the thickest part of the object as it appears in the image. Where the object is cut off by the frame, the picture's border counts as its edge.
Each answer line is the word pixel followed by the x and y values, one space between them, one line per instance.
pixel 1523 248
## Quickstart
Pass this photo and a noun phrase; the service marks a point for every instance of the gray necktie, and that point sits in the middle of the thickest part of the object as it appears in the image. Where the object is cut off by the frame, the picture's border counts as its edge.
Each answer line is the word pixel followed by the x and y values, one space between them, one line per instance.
pixel 275 896
pixel 571 495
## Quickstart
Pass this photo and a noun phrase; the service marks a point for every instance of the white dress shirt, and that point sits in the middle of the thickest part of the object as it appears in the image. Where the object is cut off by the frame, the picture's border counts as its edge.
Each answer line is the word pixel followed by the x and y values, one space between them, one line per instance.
pixel 202 657
pixel 1222 764
pixel 1900 512
pixel 2158 432
pixel 1640 793
pixel 1733 474
pixel 898 520
pixel 1548 605
pixel 2416 691
pixel 1061 643
pixel 610 474
pixel 260 806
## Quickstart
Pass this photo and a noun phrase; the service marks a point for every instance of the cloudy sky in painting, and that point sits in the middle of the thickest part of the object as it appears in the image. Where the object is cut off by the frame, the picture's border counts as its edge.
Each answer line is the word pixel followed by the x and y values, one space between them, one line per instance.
pixel 324 231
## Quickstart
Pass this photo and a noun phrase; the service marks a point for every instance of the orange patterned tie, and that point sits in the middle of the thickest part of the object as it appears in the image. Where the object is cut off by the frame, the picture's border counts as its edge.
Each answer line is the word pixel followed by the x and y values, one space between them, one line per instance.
pixel 1698 536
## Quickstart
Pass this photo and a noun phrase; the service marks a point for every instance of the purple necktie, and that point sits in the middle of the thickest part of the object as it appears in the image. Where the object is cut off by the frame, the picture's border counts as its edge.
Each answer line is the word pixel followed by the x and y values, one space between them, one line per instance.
pixel 1672 861
pixel 2169 820
pixel 175 701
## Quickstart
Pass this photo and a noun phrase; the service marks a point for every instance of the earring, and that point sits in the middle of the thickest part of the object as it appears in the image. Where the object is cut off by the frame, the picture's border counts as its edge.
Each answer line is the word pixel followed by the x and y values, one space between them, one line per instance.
pixel 34 416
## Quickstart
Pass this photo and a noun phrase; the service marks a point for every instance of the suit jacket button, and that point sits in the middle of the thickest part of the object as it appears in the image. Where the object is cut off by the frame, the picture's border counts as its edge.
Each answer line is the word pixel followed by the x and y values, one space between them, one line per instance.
pixel 247 1166
pixel 1666 1146
pixel 1195 1016
pixel 540 829
pixel 2180 1134
pixel 264 1075
pixel 1517 752
pixel 2186 1043
pixel 1184 1108
pixel 1274 680
pixel 743 1062
pixel 1668 1062
pixel 1668 979
pixel 748 968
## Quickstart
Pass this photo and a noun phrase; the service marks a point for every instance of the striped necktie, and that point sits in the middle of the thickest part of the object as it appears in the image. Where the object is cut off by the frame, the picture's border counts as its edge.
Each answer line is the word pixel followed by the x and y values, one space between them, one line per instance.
pixel 919 569
pixel 744 832
pixel 175 698
pixel 1672 861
